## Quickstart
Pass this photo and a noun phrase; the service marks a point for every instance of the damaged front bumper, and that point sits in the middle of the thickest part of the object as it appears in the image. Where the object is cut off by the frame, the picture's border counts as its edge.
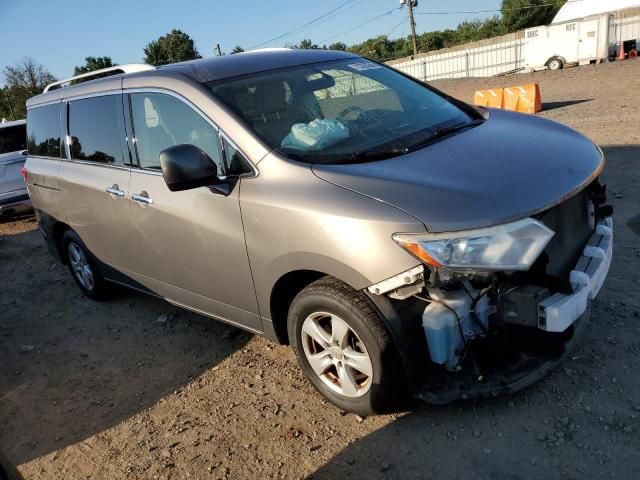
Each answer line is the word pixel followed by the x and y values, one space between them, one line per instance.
pixel 559 311
pixel 527 369
pixel 525 355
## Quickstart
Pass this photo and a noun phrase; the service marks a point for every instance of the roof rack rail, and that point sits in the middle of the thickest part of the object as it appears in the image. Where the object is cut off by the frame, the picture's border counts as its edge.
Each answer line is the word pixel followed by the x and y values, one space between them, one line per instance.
pixel 129 68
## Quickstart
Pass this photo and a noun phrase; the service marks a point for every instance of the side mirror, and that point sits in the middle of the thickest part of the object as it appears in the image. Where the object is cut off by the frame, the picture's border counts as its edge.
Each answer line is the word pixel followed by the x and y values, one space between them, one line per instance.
pixel 186 166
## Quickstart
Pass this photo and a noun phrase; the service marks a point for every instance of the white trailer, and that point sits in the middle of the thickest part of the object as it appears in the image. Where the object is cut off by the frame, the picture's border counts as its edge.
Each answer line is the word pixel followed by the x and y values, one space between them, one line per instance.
pixel 589 39
pixel 576 42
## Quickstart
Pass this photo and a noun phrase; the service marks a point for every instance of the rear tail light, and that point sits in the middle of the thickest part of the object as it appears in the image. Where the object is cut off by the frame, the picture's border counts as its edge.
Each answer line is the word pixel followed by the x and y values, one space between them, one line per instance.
pixel 24 174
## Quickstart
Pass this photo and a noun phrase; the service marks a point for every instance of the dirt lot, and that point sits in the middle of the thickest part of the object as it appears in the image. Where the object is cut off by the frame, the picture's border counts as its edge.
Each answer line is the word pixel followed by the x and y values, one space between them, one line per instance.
pixel 105 390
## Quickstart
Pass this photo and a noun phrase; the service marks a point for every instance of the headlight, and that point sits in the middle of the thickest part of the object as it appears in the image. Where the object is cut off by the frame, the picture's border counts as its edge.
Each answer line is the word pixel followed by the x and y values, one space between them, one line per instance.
pixel 511 246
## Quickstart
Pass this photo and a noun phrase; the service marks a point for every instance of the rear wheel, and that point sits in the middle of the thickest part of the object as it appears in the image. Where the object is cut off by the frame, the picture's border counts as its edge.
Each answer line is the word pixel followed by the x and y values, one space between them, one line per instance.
pixel 344 349
pixel 83 268
pixel 555 63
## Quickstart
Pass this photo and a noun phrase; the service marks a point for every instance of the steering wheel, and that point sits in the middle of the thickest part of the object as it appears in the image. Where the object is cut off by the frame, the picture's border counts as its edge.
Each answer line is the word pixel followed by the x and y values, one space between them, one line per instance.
pixel 353 108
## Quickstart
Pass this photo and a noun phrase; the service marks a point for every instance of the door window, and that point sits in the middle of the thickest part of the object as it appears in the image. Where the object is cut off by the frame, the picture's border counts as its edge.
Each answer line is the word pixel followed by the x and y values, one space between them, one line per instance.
pixel 235 163
pixel 94 128
pixel 161 121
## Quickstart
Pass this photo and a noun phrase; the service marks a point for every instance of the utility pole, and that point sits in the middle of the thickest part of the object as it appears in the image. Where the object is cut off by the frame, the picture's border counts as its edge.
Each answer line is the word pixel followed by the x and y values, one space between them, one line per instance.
pixel 217 50
pixel 411 4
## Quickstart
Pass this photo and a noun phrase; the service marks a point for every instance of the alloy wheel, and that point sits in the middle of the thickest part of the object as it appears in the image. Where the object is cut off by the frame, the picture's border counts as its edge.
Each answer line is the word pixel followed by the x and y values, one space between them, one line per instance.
pixel 80 266
pixel 336 354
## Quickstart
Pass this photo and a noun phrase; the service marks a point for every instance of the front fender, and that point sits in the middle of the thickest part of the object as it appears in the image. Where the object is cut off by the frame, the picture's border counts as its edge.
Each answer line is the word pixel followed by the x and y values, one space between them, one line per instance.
pixel 295 221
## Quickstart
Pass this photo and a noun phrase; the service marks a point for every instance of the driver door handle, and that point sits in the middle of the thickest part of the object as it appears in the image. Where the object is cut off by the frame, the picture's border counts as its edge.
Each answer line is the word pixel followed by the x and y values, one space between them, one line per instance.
pixel 142 197
pixel 115 191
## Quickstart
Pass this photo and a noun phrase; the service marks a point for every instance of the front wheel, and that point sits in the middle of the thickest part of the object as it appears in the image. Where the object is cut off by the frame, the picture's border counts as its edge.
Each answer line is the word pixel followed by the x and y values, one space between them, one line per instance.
pixel 344 348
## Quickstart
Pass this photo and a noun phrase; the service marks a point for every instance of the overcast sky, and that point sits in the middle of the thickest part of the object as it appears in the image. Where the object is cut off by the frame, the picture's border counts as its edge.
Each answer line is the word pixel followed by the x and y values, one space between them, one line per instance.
pixel 60 34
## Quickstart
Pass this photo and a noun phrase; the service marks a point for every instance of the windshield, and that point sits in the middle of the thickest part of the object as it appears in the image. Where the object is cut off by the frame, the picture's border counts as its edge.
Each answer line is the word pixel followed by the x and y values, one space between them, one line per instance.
pixel 339 111
pixel 13 139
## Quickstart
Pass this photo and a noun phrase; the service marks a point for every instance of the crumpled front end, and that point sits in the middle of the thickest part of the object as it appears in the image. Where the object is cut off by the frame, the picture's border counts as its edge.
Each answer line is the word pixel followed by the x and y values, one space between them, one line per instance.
pixel 487 331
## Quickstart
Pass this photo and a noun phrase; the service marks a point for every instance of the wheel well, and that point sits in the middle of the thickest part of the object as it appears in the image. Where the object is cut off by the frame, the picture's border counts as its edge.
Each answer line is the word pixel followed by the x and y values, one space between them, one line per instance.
pixel 58 232
pixel 558 57
pixel 283 293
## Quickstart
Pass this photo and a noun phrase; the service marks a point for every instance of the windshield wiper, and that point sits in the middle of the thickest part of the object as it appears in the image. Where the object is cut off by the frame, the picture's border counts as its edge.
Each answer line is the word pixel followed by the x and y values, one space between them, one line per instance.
pixel 442 132
pixel 356 157
pixel 369 155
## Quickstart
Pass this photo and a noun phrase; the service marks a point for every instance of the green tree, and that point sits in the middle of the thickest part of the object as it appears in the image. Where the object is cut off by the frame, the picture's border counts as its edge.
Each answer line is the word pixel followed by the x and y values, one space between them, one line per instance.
pixel 338 46
pixel 237 49
pixel 22 81
pixel 436 40
pixel 307 44
pixel 492 27
pixel 378 48
pixel 175 46
pixel 92 64
pixel 468 31
pixel 519 14
pixel 6 105
pixel 401 47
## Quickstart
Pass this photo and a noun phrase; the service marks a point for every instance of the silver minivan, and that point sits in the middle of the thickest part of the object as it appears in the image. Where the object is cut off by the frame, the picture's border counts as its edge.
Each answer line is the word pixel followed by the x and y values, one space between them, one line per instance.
pixel 13 153
pixel 402 241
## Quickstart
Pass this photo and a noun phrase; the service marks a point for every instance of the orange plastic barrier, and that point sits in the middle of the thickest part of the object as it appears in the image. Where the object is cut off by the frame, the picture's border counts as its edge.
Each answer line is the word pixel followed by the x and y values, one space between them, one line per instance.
pixel 489 98
pixel 525 98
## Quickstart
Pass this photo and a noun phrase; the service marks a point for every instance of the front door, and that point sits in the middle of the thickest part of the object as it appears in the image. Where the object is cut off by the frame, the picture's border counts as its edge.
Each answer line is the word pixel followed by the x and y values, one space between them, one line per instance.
pixel 193 248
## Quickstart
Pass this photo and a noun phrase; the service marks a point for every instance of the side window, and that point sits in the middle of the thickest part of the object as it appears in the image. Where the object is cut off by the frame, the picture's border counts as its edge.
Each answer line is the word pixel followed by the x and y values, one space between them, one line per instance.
pixel 43 131
pixel 94 128
pixel 235 163
pixel 12 139
pixel 161 121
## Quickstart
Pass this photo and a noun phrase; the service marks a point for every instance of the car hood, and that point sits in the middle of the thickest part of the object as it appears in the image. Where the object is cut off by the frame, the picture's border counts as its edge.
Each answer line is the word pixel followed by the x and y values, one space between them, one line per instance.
pixel 507 168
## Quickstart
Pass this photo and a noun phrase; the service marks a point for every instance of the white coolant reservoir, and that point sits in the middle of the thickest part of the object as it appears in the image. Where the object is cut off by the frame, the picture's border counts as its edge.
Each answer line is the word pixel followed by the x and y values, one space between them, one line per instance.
pixel 444 329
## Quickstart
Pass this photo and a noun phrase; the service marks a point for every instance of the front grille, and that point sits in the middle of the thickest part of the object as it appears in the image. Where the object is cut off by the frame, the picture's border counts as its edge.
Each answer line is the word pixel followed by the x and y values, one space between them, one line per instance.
pixel 571 223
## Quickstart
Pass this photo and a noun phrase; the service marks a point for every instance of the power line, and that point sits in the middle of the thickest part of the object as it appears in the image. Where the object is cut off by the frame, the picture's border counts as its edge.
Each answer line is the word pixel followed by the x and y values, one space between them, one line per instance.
pixel 404 29
pixel 388 12
pixel 384 37
pixel 301 27
pixel 495 11
pixel 351 6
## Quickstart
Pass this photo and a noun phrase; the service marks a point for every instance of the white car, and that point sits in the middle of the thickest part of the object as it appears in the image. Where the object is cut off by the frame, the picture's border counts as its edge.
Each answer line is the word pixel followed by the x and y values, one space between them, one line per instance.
pixel 13 191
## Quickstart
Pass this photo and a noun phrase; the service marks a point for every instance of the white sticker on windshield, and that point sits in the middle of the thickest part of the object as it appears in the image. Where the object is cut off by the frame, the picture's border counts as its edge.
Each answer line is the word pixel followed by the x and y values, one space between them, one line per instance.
pixel 364 66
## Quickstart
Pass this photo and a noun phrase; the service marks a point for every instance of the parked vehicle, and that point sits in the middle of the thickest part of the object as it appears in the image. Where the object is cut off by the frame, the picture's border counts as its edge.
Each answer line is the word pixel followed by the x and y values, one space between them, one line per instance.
pixel 399 239
pixel 13 191
pixel 580 41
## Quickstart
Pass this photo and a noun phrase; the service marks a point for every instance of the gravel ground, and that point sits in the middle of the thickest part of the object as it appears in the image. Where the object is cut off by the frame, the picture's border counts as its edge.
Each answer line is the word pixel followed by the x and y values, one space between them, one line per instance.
pixel 135 388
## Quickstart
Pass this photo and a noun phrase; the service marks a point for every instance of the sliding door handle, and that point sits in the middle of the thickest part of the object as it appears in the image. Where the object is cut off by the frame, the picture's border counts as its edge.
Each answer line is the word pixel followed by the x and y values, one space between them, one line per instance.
pixel 142 197
pixel 115 191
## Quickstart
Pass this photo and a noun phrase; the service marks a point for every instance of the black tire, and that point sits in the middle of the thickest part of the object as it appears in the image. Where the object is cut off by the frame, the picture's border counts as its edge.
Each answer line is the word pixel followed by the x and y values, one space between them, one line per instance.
pixel 555 63
pixel 387 384
pixel 98 288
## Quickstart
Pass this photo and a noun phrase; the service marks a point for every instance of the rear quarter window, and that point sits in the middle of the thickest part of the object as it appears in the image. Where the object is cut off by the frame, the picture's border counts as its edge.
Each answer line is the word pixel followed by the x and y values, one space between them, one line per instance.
pixel 43 131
